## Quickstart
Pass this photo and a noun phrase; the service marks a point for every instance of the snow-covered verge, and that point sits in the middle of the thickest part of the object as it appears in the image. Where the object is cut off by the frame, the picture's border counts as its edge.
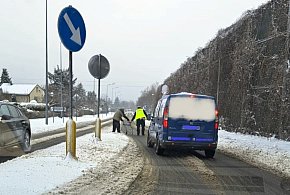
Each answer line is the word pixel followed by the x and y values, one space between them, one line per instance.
pixel 38 125
pixel 50 170
pixel 111 175
pixel 267 153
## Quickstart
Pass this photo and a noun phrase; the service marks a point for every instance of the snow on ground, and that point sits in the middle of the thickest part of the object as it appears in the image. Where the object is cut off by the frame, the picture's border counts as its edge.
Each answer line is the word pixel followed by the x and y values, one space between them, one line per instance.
pixel 49 169
pixel 38 125
pixel 269 153
pixel 44 170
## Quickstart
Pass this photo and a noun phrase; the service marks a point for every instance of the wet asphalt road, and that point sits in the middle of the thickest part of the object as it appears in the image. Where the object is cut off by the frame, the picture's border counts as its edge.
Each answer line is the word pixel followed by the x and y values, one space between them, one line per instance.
pixel 189 172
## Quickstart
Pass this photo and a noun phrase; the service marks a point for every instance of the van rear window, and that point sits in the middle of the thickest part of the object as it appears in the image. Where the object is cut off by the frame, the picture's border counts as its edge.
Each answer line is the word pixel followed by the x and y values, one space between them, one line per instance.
pixel 192 108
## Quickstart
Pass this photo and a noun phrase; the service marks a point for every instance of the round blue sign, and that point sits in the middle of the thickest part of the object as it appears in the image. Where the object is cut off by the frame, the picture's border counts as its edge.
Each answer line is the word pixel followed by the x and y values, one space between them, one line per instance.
pixel 71 29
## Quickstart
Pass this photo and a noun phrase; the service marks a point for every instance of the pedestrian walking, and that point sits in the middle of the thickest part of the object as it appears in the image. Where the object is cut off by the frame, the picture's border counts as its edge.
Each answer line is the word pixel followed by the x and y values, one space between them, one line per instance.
pixel 119 114
pixel 140 115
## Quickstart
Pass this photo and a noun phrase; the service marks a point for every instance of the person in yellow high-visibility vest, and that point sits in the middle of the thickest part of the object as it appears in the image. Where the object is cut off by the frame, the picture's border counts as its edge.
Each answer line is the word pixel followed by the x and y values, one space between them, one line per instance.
pixel 140 115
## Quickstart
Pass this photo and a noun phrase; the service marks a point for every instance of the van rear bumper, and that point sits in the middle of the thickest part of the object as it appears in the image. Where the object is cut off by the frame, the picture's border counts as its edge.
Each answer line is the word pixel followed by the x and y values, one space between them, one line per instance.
pixel 189 145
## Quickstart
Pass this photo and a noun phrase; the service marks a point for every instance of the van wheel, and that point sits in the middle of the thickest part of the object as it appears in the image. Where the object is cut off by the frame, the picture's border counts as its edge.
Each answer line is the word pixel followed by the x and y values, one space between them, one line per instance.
pixel 25 145
pixel 209 153
pixel 158 149
pixel 149 143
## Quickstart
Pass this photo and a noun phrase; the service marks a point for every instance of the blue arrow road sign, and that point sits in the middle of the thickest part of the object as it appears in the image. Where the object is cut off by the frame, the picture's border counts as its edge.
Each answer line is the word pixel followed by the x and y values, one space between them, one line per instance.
pixel 71 29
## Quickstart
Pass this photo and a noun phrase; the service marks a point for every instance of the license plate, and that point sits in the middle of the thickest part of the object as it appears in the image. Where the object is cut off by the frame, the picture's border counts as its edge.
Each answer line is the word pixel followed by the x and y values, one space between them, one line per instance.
pixel 191 127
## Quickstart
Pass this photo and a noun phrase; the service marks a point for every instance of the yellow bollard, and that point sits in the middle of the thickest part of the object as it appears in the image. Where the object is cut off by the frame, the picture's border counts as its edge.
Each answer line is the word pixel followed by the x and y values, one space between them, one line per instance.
pixel 98 129
pixel 71 137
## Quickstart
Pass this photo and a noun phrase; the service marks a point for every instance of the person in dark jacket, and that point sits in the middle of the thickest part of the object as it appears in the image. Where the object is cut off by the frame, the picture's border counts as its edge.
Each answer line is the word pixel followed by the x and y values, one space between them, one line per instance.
pixel 117 118
pixel 140 115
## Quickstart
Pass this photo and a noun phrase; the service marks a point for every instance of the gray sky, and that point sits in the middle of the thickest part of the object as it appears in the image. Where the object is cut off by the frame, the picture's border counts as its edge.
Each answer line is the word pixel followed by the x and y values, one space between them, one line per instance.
pixel 144 40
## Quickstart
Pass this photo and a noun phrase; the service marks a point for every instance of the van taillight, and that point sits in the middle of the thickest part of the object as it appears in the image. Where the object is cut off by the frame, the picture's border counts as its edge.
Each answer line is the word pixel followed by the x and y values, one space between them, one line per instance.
pixel 165 123
pixel 165 118
pixel 216 124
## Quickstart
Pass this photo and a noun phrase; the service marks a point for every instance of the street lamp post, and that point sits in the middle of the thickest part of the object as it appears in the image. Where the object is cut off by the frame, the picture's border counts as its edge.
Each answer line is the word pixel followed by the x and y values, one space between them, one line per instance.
pixel 152 102
pixel 61 83
pixel 52 101
pixel 76 96
pixel 113 93
pixel 117 95
pixel 107 107
pixel 46 68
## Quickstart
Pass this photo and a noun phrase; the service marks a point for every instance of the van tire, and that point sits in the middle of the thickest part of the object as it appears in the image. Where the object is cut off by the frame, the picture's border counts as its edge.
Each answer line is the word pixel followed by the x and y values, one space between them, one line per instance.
pixel 209 153
pixel 149 143
pixel 158 149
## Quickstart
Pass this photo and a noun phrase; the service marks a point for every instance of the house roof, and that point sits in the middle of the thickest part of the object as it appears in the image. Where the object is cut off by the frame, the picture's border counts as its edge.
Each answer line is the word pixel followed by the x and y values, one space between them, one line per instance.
pixel 19 89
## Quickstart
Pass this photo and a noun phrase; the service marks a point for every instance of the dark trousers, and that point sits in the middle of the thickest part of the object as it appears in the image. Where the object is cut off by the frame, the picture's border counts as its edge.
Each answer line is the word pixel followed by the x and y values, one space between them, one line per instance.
pixel 140 122
pixel 116 125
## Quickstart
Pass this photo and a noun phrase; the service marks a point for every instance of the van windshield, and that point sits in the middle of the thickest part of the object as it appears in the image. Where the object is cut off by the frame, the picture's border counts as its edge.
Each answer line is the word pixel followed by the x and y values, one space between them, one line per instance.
pixel 192 108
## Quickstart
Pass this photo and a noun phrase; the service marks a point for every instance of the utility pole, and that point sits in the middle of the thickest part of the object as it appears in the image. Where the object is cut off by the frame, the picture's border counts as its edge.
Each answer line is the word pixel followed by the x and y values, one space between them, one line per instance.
pixel 218 83
pixel 46 67
pixel 61 83
pixel 107 106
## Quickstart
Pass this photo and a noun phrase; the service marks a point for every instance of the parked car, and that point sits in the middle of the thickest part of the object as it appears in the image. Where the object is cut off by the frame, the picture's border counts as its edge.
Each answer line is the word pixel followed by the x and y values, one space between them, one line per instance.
pixel 184 120
pixel 14 127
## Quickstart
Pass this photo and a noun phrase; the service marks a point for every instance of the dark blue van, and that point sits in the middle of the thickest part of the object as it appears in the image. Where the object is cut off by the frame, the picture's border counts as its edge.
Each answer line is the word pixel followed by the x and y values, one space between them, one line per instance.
pixel 184 120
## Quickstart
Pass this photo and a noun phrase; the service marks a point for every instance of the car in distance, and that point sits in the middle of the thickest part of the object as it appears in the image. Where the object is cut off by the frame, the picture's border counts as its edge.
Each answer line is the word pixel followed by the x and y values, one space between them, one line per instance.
pixel 14 128
pixel 184 120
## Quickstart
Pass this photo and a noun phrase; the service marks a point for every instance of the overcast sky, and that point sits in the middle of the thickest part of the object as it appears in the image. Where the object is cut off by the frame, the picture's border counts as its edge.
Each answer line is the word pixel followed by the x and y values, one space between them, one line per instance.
pixel 144 40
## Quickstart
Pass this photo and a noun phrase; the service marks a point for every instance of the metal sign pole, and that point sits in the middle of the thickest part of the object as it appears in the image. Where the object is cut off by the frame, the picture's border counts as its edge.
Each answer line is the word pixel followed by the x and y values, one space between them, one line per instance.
pixel 70 83
pixel 99 86
pixel 99 69
pixel 99 90
pixel 72 32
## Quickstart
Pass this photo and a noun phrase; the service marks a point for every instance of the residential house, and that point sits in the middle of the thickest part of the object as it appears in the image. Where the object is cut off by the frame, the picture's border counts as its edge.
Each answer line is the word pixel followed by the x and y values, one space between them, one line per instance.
pixel 22 92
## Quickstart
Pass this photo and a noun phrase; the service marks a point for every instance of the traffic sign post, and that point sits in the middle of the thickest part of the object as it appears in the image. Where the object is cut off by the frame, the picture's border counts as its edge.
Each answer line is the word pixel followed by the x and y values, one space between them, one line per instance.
pixel 72 32
pixel 99 68
pixel 71 29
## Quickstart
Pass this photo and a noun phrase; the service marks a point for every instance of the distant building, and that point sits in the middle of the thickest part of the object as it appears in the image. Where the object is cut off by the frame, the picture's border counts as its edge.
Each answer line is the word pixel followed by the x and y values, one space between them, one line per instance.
pixel 22 92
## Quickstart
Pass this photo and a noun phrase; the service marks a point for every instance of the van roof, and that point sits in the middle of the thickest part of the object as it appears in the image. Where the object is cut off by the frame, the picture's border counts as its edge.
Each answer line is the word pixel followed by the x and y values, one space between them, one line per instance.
pixel 188 94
